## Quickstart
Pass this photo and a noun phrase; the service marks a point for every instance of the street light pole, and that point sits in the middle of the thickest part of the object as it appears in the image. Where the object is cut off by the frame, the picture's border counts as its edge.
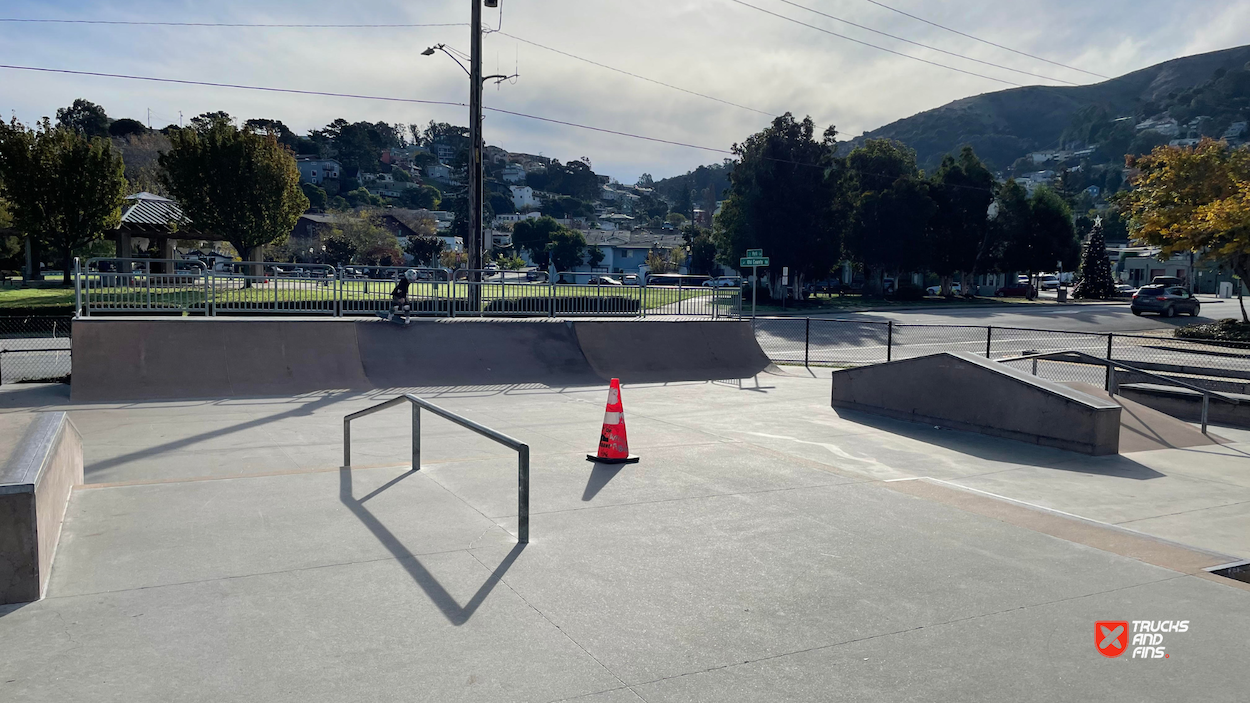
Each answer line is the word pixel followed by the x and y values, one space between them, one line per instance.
pixel 475 139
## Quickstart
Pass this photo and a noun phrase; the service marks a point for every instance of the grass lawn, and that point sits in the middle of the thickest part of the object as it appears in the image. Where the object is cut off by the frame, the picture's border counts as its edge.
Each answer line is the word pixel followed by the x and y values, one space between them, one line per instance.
pixel 53 300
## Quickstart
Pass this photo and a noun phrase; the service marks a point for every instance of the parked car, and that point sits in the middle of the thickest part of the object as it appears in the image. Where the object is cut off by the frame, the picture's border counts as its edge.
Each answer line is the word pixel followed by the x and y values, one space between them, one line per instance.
pixel 603 281
pixel 723 282
pixel 1050 282
pixel 1124 290
pixel 1166 281
pixel 937 290
pixel 1019 289
pixel 1165 300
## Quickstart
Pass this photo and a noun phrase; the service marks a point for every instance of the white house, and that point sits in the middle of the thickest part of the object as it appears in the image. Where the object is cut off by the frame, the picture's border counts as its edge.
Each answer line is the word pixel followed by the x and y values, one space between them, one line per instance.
pixel 523 197
pixel 513 173
pixel 316 171
pixel 439 171
pixel 515 217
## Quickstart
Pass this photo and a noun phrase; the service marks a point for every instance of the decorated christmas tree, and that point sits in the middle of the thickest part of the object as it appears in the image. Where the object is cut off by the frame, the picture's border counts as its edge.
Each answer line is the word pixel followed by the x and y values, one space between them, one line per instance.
pixel 1096 281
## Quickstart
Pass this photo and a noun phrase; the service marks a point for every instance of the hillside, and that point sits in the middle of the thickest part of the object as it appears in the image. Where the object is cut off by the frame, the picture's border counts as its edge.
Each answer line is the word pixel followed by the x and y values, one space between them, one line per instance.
pixel 1006 125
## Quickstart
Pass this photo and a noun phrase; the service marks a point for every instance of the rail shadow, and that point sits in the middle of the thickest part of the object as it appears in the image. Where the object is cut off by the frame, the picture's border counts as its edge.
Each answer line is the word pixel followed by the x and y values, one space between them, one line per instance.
pixel 455 613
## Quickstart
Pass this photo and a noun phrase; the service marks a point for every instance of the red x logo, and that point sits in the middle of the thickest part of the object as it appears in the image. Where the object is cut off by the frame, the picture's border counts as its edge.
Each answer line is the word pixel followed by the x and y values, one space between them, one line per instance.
pixel 1111 637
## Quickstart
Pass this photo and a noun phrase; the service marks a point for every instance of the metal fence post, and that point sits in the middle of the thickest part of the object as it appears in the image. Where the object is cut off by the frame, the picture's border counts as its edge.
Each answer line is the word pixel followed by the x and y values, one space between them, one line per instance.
pixel 77 288
pixel 1111 380
pixel 989 341
pixel 416 437
pixel 1206 402
pixel 523 494
pixel 807 342
pixel 889 340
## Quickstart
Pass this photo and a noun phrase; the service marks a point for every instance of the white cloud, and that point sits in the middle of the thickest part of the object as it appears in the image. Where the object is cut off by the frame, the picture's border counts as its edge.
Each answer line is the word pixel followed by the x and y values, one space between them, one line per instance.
pixel 710 46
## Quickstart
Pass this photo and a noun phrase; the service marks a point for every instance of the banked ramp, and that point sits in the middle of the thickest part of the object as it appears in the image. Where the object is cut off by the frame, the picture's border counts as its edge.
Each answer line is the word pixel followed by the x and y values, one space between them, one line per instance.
pixel 180 358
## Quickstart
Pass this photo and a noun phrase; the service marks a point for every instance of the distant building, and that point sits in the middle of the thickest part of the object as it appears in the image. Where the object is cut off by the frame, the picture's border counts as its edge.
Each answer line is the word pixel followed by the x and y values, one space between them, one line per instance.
pixel 513 173
pixel 317 171
pixel 1166 126
pixel 523 197
pixel 1184 142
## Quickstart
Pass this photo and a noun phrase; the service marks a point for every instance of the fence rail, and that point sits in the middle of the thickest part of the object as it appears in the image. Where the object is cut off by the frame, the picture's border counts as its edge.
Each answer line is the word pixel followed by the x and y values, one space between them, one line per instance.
pixel 152 286
pixel 835 342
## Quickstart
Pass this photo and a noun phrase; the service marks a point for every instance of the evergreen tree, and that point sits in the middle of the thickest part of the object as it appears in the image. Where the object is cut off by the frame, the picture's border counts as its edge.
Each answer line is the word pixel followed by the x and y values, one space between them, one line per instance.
pixel 1096 281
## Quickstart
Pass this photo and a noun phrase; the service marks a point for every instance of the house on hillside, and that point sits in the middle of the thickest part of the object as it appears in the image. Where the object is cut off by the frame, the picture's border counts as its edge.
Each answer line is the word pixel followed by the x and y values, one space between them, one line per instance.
pixel 513 173
pixel 523 197
pixel 1167 126
pixel 316 170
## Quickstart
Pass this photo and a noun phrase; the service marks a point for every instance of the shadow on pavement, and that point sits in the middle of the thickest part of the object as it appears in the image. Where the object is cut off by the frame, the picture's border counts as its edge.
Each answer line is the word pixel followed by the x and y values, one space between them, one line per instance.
pixel 455 613
pixel 599 477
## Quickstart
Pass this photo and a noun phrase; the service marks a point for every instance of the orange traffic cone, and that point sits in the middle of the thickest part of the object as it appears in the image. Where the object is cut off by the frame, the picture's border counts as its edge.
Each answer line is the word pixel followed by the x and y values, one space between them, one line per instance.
pixel 613 444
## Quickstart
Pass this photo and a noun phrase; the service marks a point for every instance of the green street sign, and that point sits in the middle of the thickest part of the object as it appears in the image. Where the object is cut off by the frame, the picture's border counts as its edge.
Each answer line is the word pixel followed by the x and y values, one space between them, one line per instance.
pixel 754 253
pixel 753 261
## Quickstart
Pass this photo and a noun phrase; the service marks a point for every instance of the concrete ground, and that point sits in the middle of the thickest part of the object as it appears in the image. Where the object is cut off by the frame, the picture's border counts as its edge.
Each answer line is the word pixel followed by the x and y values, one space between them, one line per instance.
pixel 766 548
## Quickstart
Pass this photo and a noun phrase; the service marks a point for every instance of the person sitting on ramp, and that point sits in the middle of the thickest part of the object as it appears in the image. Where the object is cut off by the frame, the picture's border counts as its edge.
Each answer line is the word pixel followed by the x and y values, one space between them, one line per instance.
pixel 399 297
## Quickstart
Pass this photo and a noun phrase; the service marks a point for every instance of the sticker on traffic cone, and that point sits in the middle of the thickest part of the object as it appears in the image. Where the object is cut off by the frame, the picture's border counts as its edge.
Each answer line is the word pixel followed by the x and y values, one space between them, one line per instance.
pixel 613 444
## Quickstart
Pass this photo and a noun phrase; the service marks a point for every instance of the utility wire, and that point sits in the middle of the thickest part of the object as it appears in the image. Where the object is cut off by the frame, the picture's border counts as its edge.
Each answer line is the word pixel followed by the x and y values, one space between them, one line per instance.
pixel 926 46
pixel 355 96
pixel 137 23
pixel 985 41
pixel 631 75
pixel 871 45
pixel 398 26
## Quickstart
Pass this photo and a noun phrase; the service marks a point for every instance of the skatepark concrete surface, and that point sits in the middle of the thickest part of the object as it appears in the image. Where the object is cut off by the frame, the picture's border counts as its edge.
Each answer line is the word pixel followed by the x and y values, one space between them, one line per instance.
pixel 229 357
pixel 766 548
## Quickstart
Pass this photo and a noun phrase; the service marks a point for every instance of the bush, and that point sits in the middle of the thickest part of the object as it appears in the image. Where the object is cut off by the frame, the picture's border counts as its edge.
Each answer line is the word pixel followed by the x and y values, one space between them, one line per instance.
pixel 1226 330
pixel 907 290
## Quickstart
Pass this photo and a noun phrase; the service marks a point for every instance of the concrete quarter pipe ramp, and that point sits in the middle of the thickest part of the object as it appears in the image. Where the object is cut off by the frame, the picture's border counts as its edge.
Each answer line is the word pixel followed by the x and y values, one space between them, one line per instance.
pixel 168 358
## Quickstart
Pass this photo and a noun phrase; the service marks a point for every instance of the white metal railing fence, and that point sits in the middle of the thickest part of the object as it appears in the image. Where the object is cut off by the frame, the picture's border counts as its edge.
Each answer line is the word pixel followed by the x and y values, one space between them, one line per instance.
pixel 169 286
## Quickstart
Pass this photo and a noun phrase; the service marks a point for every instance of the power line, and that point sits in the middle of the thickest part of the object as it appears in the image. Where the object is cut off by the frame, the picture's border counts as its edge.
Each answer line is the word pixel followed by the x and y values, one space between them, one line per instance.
pixel 383 26
pixel 632 75
pixel 137 23
pixel 354 96
pixel 926 46
pixel 871 45
pixel 985 41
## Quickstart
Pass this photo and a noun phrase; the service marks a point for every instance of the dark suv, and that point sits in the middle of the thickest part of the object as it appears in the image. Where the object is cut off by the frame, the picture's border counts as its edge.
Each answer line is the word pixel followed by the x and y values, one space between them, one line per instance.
pixel 1165 300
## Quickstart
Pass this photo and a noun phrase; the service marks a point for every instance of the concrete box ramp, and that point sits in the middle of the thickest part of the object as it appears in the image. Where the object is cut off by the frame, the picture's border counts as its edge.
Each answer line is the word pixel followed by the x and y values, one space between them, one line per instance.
pixel 656 352
pixel 1144 429
pixel 471 353
pixel 170 358
pixel 963 391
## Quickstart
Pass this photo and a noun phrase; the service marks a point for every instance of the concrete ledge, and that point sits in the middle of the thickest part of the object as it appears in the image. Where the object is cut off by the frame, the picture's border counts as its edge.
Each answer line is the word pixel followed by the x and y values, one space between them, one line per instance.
pixel 966 392
pixel 1186 404
pixel 35 485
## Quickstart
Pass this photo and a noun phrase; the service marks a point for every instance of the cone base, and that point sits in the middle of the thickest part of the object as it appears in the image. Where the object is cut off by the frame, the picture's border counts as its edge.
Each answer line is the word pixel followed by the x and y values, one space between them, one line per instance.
pixel 631 459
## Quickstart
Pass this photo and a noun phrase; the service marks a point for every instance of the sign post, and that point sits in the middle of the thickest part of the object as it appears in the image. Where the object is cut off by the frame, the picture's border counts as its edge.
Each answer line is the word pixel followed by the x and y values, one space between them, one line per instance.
pixel 754 258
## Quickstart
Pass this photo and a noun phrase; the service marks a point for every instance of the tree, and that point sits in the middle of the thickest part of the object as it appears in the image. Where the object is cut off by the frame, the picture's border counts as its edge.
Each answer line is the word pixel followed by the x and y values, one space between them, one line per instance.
pixel 84 117
pixel 890 206
pixel 959 230
pixel 566 248
pixel 235 183
pixel 316 195
pixel 1047 236
pixel 1096 281
pixel 594 256
pixel 359 240
pixel 422 198
pixel 63 188
pixel 126 127
pixel 645 181
pixel 781 201
pixel 703 253
pixel 534 236
pixel 1195 200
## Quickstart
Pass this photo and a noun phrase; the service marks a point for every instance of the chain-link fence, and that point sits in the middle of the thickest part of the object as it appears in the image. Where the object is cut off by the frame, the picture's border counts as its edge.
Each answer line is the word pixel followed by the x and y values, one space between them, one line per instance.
pixel 831 342
pixel 34 348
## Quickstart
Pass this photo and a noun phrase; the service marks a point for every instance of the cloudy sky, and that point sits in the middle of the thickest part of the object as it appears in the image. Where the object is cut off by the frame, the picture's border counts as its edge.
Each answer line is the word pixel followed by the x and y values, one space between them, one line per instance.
pixel 719 48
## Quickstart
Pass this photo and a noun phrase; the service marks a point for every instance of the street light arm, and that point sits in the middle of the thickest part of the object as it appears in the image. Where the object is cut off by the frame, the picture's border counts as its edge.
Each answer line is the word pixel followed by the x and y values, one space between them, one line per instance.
pixel 443 48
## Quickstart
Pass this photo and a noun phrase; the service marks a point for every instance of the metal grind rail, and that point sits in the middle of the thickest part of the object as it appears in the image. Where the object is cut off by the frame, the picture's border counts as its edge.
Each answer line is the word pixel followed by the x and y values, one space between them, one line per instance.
pixel 522 449
pixel 1112 387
